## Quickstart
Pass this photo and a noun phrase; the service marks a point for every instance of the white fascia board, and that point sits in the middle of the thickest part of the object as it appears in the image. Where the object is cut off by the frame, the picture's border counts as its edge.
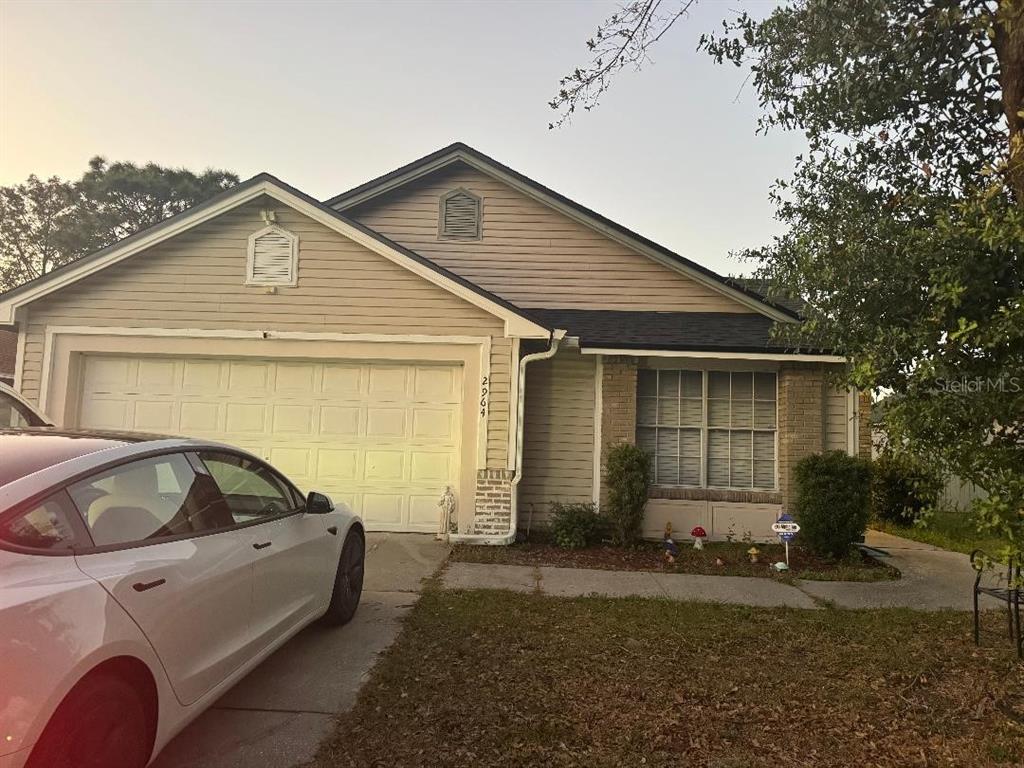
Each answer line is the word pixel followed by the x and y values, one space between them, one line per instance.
pixel 515 324
pixel 572 213
pixel 779 357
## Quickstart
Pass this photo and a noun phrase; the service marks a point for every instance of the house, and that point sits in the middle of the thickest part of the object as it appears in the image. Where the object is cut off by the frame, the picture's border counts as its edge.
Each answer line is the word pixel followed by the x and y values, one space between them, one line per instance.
pixel 452 323
pixel 8 356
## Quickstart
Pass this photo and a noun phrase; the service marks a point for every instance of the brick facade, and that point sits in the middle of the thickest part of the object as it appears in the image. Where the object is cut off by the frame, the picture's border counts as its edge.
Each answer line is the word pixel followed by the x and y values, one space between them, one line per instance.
pixel 493 512
pixel 618 407
pixel 864 427
pixel 801 420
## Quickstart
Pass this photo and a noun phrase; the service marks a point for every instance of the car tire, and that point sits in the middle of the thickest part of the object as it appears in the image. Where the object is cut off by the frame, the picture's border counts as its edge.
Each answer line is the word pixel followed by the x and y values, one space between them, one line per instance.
pixel 100 724
pixel 348 581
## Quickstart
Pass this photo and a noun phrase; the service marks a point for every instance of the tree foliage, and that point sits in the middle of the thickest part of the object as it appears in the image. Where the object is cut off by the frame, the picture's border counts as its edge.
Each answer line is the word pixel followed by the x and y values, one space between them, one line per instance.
pixel 905 217
pixel 45 224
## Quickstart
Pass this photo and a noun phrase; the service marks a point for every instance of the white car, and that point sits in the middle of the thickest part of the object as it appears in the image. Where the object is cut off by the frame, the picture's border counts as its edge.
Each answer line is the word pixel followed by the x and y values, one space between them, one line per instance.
pixel 140 578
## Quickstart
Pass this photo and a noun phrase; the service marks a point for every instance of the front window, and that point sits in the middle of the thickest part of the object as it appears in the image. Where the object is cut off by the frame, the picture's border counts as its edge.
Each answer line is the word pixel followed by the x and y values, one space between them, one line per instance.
pixel 712 429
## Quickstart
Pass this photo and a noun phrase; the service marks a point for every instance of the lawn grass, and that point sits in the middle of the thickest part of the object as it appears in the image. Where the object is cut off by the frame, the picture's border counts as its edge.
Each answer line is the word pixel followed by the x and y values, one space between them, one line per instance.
pixel 946 528
pixel 500 679
pixel 649 556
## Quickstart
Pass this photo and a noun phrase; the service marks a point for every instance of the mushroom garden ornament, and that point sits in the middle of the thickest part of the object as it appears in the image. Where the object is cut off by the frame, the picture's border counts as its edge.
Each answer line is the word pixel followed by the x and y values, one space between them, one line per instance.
pixel 699 534
pixel 753 552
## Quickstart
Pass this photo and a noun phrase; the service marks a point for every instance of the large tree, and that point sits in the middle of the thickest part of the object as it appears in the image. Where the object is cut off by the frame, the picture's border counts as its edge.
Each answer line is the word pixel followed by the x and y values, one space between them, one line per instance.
pixel 45 224
pixel 905 218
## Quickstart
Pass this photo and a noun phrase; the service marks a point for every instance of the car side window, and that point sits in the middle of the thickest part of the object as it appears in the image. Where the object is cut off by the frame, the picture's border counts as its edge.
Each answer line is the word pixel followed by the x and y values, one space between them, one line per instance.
pixel 45 526
pixel 148 500
pixel 252 490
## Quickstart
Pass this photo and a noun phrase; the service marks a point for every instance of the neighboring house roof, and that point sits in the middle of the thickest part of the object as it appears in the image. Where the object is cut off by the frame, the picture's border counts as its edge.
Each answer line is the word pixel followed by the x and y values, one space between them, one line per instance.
pixel 692 331
pixel 8 354
pixel 459 152
pixel 522 321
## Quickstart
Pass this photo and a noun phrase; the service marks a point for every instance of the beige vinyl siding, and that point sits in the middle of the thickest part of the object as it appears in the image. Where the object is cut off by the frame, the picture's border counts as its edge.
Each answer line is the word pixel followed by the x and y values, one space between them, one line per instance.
pixel 837 419
pixel 196 280
pixel 558 443
pixel 532 255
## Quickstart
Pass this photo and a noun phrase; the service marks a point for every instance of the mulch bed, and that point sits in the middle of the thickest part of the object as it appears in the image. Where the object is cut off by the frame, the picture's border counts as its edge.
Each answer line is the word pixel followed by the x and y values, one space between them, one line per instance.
pixel 650 557
pixel 502 680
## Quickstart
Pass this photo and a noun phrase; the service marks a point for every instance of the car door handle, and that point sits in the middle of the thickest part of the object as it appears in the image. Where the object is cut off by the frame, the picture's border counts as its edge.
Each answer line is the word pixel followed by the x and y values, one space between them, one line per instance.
pixel 141 586
pixel 333 530
pixel 261 545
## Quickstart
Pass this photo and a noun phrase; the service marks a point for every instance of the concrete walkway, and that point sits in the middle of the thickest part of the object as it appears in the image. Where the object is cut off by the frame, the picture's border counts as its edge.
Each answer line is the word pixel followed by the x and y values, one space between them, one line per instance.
pixel 278 715
pixel 932 579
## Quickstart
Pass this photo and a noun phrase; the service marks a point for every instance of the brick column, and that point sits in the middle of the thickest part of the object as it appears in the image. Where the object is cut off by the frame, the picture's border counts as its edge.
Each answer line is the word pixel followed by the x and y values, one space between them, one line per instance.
pixel 618 407
pixel 493 513
pixel 864 427
pixel 801 420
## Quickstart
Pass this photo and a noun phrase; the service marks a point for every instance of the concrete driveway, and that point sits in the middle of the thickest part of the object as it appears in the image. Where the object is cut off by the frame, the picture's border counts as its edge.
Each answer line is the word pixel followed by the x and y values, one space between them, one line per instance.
pixel 280 712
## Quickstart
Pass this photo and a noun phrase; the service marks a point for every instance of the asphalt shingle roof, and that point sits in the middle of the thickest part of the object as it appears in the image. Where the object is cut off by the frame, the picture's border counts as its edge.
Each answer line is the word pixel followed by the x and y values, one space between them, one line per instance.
pixel 707 331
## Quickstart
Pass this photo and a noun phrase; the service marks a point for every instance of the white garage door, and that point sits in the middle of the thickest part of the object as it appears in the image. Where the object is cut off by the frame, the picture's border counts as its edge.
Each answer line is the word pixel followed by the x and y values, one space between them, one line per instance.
pixel 382 437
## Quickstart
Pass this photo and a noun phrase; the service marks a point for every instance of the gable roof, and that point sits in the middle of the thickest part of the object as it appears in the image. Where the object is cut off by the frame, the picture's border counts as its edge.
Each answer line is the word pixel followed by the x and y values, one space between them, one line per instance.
pixel 518 322
pixel 459 152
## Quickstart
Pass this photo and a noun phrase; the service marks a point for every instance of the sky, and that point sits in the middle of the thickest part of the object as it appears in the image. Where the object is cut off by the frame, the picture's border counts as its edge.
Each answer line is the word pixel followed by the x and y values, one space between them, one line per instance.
pixel 326 95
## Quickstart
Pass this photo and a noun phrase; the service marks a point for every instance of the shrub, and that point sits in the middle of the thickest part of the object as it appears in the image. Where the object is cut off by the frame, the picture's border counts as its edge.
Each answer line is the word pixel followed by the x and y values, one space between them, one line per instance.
pixel 574 526
pixel 903 488
pixel 629 479
pixel 833 501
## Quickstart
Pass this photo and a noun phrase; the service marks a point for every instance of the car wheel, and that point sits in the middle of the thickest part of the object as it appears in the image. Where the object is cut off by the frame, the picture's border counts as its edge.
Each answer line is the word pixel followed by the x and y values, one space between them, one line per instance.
pixel 100 724
pixel 348 583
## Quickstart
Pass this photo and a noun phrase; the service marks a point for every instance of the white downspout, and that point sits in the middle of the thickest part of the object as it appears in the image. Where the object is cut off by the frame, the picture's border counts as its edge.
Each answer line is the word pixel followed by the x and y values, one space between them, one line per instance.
pixel 510 537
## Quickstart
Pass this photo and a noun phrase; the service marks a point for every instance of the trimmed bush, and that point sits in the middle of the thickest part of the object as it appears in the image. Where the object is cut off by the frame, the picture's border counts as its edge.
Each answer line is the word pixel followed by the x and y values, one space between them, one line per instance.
pixel 833 501
pixel 629 479
pixel 574 526
pixel 903 488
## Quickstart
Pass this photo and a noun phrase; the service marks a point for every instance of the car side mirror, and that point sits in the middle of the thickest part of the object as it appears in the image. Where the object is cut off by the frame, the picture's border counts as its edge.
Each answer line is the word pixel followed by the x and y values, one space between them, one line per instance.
pixel 319 503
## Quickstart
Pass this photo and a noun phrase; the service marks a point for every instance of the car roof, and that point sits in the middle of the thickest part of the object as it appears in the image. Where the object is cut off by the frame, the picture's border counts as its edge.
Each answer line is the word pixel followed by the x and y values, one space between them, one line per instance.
pixel 24 451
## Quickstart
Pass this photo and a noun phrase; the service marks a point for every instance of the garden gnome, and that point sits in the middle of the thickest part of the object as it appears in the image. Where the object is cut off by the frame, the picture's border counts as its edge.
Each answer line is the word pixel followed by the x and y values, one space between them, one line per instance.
pixel 671 550
pixel 447 505
pixel 753 552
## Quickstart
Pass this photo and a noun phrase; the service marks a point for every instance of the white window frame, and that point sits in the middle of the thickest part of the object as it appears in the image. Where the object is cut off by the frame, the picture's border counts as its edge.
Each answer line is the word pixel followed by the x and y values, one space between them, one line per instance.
pixel 250 264
pixel 705 429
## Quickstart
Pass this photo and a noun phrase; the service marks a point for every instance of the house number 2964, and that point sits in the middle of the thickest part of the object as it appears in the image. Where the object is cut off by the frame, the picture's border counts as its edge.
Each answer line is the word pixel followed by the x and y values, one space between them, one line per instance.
pixel 484 384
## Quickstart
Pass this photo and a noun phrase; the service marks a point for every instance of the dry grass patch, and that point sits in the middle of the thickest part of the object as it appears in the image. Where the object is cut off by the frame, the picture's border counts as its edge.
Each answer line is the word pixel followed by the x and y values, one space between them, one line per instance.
pixel 489 678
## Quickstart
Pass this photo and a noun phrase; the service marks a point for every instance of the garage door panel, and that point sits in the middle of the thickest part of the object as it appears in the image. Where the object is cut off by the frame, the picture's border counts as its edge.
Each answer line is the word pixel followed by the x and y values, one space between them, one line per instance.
pixel 249 377
pixel 433 424
pixel 293 418
pixel 295 378
pixel 341 379
pixel 200 375
pixel 435 385
pixel 337 465
pixel 384 509
pixel 423 512
pixel 196 418
pixel 382 437
pixel 246 417
pixel 156 416
pixel 388 382
pixel 339 421
pixel 435 467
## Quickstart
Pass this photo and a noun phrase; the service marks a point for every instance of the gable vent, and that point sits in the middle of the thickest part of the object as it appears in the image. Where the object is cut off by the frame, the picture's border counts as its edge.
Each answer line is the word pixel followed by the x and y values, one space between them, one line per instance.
pixel 273 257
pixel 460 215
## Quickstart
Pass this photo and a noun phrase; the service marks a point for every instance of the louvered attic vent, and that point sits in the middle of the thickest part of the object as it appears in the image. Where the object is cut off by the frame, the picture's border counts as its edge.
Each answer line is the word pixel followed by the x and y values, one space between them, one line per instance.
pixel 273 257
pixel 460 216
